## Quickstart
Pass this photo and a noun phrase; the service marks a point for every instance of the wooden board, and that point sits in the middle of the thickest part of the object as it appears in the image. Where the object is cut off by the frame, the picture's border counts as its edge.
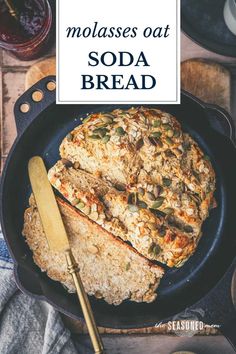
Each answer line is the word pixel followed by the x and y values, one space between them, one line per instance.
pixel 207 80
pixel 39 70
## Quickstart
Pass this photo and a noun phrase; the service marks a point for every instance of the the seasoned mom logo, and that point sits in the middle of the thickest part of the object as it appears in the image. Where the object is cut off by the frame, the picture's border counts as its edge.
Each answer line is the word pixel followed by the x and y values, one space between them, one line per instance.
pixel 187 324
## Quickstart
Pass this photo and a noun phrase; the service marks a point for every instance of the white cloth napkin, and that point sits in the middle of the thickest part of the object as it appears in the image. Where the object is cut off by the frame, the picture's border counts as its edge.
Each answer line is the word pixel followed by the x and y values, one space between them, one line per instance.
pixel 28 326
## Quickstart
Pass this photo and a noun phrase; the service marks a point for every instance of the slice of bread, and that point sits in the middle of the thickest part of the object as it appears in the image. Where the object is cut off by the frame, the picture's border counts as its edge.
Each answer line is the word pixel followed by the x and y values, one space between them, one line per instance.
pixel 150 234
pixel 109 268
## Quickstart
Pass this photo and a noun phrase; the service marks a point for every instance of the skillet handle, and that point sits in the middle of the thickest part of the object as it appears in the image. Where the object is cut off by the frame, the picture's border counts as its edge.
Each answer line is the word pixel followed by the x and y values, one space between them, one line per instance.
pixel 221 121
pixel 27 107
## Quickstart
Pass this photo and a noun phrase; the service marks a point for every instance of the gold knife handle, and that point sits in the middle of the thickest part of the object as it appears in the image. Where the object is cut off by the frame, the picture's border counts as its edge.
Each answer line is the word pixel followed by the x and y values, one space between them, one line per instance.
pixel 84 302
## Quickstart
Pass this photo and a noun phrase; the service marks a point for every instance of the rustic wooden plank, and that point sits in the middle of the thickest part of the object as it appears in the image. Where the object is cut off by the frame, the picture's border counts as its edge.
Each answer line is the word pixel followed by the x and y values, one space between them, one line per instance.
pixel 10 94
pixel 190 49
pixel 80 327
pixel 39 70
pixel 9 60
pixel 153 344
pixel 207 80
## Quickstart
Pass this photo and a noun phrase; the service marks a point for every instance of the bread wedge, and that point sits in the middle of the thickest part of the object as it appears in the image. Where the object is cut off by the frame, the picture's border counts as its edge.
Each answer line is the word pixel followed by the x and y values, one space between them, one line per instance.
pixel 120 144
pixel 157 237
pixel 109 268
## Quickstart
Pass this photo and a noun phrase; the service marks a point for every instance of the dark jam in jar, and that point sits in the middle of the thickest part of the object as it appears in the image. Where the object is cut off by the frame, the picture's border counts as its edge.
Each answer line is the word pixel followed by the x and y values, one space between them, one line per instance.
pixel 27 34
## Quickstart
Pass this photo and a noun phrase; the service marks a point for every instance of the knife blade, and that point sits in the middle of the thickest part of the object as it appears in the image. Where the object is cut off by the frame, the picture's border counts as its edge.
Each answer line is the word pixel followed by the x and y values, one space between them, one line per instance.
pixel 47 205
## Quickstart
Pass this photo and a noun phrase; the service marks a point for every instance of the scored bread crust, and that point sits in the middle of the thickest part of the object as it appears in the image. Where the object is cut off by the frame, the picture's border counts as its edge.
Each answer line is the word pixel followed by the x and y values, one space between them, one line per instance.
pixel 121 144
pixel 109 268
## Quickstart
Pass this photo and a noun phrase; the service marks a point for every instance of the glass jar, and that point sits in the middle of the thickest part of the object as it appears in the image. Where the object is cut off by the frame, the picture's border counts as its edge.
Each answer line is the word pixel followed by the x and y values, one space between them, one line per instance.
pixel 26 36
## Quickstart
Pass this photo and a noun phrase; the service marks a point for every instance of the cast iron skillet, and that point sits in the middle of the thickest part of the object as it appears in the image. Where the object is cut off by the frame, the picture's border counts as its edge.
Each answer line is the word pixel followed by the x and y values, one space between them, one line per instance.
pixel 202 283
pixel 203 21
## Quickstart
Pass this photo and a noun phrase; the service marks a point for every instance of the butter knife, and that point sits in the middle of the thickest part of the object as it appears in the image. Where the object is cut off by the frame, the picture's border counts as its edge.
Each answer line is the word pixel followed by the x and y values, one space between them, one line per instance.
pixel 58 240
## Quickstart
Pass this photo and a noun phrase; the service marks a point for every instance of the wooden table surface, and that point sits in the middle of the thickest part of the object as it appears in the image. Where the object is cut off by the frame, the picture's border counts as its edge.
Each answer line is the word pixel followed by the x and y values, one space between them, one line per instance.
pixel 12 77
